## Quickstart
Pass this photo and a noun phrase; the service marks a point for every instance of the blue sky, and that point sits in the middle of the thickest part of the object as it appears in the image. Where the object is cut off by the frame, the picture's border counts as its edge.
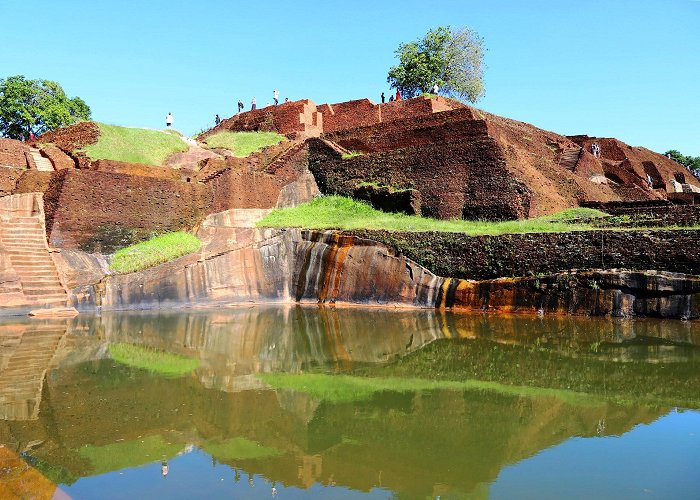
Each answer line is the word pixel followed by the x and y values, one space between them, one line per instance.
pixel 615 68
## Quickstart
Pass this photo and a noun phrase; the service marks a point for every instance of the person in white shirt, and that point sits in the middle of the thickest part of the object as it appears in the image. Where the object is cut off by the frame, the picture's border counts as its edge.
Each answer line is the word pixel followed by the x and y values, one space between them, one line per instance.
pixel 169 120
pixel 276 96
pixel 253 104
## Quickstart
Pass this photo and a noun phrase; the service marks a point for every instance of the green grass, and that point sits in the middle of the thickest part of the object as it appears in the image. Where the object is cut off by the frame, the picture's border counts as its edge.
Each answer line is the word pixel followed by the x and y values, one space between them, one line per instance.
pixel 118 456
pixel 348 388
pixel 242 144
pixel 239 449
pixel 162 248
pixel 159 362
pixel 337 212
pixel 134 145
pixel 351 154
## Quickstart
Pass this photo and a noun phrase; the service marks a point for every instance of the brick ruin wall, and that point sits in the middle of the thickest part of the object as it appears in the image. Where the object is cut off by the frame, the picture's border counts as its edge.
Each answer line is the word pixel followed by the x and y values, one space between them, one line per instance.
pixel 59 159
pixel 101 211
pixel 285 118
pixel 243 188
pixel 349 114
pixel 121 167
pixel 8 179
pixel 486 257
pixel 466 179
pixel 13 153
pixel 450 126
pixel 71 138
pixel 660 214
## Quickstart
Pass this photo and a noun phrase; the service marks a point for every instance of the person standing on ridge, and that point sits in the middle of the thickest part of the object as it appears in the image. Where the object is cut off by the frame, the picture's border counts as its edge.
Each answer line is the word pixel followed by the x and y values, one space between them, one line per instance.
pixel 217 120
pixel 383 97
pixel 276 96
pixel 398 95
pixel 240 105
pixel 253 104
pixel 169 119
pixel 435 89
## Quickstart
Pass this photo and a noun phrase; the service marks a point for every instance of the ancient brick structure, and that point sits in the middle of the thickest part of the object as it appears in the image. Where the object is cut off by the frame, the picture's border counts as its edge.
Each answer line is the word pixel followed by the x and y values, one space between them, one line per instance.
pixel 101 211
pixel 59 159
pixel 121 167
pixel 465 179
pixel 298 118
pixel 13 153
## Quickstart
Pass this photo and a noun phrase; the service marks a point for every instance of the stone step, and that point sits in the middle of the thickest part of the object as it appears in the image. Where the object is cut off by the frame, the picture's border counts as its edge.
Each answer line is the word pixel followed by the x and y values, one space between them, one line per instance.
pixel 39 280
pixel 24 242
pixel 53 291
pixel 39 287
pixel 24 262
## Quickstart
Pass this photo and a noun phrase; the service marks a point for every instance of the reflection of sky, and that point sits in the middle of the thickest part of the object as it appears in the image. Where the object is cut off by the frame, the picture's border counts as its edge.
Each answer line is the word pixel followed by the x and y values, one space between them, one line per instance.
pixel 660 460
pixel 196 475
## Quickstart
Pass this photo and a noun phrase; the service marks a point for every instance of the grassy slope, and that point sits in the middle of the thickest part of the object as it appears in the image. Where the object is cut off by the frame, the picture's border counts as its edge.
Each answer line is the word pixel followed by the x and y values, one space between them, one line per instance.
pixel 336 212
pixel 348 388
pixel 118 456
pixel 242 144
pixel 162 363
pixel 134 145
pixel 155 251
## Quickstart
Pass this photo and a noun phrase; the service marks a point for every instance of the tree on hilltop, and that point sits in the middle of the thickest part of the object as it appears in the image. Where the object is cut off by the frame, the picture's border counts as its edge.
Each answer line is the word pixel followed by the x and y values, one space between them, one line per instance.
pixel 450 58
pixel 35 106
pixel 691 162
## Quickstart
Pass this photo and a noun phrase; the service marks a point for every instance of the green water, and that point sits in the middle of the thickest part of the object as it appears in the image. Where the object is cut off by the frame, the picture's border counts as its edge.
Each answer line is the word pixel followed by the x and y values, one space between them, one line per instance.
pixel 299 402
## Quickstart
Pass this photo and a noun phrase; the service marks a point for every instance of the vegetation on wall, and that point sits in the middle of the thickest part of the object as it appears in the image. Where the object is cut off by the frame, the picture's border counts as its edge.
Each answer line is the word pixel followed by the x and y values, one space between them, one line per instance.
pixel 157 250
pixel 337 212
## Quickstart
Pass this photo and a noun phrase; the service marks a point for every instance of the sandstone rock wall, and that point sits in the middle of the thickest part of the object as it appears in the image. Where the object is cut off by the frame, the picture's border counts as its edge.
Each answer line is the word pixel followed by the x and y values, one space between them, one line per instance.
pixel 251 265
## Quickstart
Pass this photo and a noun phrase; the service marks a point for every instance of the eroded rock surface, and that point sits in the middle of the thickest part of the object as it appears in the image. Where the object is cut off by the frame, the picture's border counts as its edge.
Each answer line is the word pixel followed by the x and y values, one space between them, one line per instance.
pixel 246 264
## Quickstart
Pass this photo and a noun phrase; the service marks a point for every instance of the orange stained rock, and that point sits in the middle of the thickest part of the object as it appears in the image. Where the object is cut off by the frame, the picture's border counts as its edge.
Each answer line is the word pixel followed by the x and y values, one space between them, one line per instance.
pixel 20 480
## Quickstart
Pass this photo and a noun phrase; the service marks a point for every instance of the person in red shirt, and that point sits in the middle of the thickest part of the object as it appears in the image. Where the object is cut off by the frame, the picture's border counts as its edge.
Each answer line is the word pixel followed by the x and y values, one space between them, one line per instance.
pixel 398 95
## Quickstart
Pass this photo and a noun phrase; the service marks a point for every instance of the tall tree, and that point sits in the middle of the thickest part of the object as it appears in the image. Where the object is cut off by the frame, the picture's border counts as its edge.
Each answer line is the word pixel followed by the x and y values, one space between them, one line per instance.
pixel 691 162
pixel 35 106
pixel 452 59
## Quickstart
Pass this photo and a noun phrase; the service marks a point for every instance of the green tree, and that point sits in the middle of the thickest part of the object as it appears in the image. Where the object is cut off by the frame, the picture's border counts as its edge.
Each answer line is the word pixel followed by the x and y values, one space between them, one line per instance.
pixel 35 106
pixel 450 58
pixel 691 162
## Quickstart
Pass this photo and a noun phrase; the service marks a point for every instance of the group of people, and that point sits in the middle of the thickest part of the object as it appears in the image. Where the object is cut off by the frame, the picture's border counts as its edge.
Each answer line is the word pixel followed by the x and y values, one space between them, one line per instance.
pixel 435 89
pixel 254 102
pixel 595 149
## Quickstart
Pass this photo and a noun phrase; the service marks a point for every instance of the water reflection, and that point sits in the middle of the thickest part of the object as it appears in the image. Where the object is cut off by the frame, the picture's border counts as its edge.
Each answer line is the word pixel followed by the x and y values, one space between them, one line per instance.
pixel 71 412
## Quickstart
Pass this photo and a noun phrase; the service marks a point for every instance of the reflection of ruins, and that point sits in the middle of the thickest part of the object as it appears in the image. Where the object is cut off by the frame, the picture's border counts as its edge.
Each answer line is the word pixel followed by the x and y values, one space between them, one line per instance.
pixel 26 353
pixel 415 443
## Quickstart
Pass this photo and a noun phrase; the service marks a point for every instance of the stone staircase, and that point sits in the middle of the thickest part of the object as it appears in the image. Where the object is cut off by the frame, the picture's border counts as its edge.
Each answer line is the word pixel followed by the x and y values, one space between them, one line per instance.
pixel 23 239
pixel 569 157
pixel 41 163
pixel 23 244
pixel 25 356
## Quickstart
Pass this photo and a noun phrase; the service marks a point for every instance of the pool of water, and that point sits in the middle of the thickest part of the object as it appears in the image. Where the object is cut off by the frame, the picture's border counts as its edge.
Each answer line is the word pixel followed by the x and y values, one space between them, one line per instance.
pixel 295 402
